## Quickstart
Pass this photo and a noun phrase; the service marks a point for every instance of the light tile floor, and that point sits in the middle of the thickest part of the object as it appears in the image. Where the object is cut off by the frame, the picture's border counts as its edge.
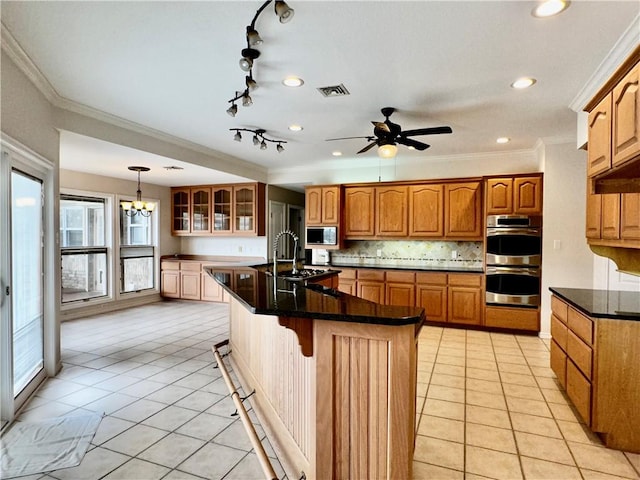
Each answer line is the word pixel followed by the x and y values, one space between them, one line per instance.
pixel 488 404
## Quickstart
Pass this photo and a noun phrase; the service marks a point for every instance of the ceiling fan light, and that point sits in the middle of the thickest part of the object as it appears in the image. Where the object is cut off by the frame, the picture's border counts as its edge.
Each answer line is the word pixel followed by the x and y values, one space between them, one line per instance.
pixel 232 110
pixel 388 150
pixel 285 12
pixel 238 136
pixel 263 145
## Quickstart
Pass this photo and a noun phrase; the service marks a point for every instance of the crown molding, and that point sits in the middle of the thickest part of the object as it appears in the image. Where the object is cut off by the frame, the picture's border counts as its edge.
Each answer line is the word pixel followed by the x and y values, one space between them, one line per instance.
pixel 15 52
pixel 24 63
pixel 620 51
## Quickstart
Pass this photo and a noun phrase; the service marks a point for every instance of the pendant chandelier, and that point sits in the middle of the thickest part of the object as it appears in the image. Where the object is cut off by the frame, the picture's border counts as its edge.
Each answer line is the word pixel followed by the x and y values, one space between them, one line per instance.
pixel 138 206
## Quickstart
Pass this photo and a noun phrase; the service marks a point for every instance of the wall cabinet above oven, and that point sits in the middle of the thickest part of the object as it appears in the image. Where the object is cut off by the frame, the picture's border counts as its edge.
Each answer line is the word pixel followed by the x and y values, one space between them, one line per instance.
pixel 514 195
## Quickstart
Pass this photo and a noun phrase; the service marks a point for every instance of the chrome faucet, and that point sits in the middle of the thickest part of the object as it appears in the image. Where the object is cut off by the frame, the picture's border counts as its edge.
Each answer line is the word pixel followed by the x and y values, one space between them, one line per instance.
pixel 294 268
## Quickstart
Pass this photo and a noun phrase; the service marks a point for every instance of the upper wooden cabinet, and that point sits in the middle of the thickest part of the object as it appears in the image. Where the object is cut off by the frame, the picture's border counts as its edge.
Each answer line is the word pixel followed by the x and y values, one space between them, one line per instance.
pixel 426 210
pixel 614 123
pixel 613 219
pixel 514 195
pixel 323 205
pixel 359 206
pixel 237 209
pixel 463 211
pixel 391 211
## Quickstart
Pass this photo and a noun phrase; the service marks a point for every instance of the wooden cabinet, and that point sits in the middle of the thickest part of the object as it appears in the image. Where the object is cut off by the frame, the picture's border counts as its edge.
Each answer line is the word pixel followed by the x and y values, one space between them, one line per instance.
pixel 400 288
pixel 625 128
pixel 210 290
pixel 359 205
pixel 323 205
pixel 512 318
pixel 463 210
pixel 614 122
pixel 465 299
pixel 630 216
pixel 347 281
pixel 426 210
pixel 190 280
pixel 391 211
pixel 610 216
pixel 370 285
pixel 237 209
pixel 519 195
pixel 431 294
pixel 613 219
pixel 170 279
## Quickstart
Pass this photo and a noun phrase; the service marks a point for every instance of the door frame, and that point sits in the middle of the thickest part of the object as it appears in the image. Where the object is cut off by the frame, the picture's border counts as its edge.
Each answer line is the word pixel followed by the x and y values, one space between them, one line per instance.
pixel 18 156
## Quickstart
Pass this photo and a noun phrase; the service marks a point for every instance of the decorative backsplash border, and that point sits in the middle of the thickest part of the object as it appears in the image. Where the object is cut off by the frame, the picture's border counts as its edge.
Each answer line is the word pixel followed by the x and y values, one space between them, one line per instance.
pixel 410 253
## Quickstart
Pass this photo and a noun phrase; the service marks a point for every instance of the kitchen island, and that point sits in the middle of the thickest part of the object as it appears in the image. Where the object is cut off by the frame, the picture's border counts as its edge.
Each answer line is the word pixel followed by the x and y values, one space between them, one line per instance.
pixel 334 375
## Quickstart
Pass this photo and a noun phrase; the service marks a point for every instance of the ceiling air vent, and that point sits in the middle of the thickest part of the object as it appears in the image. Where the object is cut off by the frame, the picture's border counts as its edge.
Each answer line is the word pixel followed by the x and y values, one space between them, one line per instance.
pixel 334 91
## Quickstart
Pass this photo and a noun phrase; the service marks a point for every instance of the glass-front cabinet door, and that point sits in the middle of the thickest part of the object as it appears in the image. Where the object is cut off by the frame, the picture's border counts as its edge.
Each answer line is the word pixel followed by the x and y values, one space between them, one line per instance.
pixel 200 210
pixel 222 203
pixel 244 209
pixel 181 212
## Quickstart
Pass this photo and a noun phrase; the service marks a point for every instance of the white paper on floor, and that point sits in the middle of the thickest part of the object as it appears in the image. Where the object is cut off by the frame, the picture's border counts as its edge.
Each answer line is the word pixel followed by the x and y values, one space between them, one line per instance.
pixel 34 447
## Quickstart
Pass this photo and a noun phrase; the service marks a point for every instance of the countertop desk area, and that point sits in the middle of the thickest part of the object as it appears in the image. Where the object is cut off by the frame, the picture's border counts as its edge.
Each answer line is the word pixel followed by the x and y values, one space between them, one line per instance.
pixel 334 375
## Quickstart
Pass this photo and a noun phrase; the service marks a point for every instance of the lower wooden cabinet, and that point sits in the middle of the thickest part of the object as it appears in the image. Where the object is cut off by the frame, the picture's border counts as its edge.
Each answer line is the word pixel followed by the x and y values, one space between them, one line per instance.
pixel 187 280
pixel 512 318
pixel 370 285
pixel 465 299
pixel 400 288
pixel 170 280
pixel 347 281
pixel 431 294
pixel 596 362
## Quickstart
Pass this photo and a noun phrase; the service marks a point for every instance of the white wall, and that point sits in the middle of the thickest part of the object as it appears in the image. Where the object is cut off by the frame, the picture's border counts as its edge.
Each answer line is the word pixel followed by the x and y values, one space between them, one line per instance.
pixel 225 246
pixel 567 260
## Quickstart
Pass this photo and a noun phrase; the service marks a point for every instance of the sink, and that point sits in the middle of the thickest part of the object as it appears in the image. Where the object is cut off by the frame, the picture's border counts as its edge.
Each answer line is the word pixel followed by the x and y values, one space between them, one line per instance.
pixel 301 275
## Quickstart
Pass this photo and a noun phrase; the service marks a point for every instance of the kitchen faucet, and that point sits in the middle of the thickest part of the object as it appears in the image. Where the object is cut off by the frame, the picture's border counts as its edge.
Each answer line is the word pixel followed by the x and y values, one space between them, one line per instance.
pixel 294 268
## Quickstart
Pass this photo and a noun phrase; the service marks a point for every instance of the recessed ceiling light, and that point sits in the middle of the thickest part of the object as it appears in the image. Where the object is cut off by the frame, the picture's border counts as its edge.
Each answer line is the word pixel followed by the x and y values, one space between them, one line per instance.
pixel 336 153
pixel 411 148
pixel 293 82
pixel 550 8
pixel 524 82
pixel 295 128
pixel 503 140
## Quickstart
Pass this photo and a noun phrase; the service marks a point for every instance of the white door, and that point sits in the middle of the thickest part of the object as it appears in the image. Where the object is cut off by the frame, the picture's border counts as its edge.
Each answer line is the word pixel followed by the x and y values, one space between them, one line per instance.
pixel 22 276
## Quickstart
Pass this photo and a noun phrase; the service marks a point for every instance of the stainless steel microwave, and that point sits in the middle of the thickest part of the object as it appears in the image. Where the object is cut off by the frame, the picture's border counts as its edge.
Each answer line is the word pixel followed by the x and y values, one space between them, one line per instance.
pixel 322 236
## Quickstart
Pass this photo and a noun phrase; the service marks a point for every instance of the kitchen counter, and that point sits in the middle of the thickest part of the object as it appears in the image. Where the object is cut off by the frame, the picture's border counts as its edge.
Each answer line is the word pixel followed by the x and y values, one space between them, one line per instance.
pixel 326 369
pixel 613 304
pixel 420 268
pixel 257 292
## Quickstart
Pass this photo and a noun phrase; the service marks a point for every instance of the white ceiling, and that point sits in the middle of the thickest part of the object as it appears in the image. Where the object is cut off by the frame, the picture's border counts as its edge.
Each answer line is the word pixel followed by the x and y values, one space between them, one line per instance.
pixel 172 66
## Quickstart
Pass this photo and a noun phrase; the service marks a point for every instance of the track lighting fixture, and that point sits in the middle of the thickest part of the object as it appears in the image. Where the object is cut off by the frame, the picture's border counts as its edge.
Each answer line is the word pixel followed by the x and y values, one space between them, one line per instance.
pixel 258 138
pixel 250 54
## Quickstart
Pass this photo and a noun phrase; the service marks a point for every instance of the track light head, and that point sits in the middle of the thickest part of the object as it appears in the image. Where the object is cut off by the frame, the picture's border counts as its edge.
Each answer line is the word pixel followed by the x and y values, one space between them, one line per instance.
pixel 263 145
pixel 279 148
pixel 248 56
pixel 232 110
pixel 250 82
pixel 256 141
pixel 238 136
pixel 253 37
pixel 246 100
pixel 284 11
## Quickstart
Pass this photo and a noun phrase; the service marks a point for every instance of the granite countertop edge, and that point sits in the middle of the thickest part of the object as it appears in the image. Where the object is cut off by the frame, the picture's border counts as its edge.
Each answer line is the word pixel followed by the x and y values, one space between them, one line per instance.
pixel 422 268
pixel 583 300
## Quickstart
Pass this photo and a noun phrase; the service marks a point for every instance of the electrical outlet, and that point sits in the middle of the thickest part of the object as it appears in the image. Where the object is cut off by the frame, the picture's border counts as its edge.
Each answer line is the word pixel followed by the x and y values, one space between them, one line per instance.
pixel 379 253
pixel 239 248
pixel 454 254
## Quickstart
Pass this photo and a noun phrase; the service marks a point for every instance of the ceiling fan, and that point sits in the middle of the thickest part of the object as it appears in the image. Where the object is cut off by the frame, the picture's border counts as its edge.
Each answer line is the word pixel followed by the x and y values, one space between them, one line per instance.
pixel 389 133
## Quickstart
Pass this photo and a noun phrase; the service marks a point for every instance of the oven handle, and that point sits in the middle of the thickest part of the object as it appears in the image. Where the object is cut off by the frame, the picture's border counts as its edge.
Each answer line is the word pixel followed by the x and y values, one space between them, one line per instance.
pixel 528 232
pixel 531 272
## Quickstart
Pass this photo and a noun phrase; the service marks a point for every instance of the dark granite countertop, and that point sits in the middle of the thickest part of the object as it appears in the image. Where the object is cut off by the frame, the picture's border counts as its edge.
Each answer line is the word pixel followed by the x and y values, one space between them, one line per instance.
pixel 614 304
pixel 430 268
pixel 256 290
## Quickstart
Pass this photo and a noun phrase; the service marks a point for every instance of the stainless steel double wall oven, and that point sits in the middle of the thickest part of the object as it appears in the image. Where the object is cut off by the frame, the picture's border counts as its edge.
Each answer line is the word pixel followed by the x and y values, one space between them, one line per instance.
pixel 513 258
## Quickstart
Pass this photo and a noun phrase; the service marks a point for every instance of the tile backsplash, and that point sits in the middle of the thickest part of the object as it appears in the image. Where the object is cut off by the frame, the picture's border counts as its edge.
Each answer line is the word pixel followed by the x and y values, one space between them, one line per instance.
pixel 391 253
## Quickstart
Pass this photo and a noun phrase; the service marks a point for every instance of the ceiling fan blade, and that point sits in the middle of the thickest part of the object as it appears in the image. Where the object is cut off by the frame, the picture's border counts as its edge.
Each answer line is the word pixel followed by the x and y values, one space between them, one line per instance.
pixel 368 137
pixel 381 126
pixel 426 131
pixel 413 143
pixel 368 147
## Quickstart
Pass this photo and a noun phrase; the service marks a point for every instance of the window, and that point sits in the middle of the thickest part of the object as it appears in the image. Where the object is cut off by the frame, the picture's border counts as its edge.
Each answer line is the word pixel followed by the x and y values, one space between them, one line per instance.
pixel 137 252
pixel 83 248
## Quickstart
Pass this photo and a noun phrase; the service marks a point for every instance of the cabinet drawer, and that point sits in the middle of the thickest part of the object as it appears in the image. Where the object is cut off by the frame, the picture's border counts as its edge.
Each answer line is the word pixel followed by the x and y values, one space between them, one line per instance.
pixel 515 318
pixel 401 277
pixel 559 332
pixel 559 308
pixel 431 278
pixel 347 273
pixel 559 363
pixel 580 353
pixel 170 265
pixel 377 275
pixel 579 391
pixel 581 325
pixel 465 280
pixel 190 266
